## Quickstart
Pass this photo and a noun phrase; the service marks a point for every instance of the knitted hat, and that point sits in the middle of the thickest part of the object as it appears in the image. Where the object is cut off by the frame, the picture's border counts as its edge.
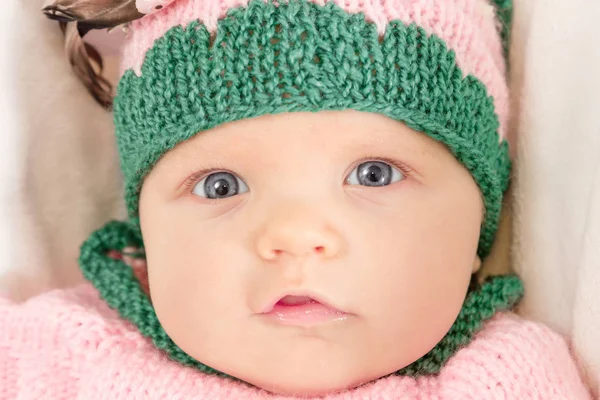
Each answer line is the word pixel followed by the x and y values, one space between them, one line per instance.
pixel 436 65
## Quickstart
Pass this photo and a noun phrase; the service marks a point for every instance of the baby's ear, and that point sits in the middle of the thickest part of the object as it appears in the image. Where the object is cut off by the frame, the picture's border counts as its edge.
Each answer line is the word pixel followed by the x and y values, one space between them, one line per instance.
pixel 476 264
pixel 131 257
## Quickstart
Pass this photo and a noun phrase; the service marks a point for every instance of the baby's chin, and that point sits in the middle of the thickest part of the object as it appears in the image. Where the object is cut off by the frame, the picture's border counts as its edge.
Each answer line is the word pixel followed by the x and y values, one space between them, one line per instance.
pixel 310 384
pixel 309 364
pixel 312 381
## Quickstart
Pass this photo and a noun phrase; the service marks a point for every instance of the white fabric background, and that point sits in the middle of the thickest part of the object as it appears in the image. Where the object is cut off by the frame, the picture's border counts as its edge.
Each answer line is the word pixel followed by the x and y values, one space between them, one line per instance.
pixel 556 236
pixel 59 175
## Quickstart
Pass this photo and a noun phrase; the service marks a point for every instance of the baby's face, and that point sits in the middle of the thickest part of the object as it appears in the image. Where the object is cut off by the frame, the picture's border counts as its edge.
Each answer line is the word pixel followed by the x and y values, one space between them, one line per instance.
pixel 309 252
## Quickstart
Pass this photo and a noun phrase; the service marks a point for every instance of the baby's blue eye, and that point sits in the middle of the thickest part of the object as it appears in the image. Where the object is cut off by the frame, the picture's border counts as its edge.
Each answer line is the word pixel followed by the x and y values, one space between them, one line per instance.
pixel 374 173
pixel 220 185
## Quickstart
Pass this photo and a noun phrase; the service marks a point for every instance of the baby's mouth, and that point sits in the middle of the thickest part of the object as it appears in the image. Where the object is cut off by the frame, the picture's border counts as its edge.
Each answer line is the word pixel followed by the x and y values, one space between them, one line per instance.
pixel 304 311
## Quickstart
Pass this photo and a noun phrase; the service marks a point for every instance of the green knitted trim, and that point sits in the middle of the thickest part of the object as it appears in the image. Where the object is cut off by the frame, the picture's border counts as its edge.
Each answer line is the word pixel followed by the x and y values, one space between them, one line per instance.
pixel 299 56
pixel 122 291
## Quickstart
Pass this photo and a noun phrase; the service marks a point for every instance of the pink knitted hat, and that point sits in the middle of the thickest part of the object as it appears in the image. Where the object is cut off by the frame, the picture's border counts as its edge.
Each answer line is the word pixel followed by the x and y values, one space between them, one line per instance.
pixel 190 65
pixel 437 65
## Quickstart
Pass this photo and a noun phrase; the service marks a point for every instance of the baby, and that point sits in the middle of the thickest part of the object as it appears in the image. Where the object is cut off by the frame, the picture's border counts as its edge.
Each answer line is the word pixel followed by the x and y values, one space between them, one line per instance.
pixel 311 187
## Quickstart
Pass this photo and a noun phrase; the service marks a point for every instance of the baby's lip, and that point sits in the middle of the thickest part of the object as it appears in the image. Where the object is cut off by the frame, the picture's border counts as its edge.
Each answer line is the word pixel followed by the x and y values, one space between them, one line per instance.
pixel 302 309
pixel 294 298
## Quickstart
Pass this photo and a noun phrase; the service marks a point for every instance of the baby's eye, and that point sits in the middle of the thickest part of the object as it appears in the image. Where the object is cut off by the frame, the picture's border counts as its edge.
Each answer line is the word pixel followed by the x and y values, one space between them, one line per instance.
pixel 374 173
pixel 220 185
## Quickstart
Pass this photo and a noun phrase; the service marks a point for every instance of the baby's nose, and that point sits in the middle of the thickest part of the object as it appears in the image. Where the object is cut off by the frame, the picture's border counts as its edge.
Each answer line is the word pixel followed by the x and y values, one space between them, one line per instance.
pixel 298 235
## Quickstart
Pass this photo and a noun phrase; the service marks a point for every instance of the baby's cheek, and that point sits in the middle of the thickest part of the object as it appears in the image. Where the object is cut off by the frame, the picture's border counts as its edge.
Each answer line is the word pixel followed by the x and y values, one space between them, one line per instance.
pixel 412 292
pixel 407 322
pixel 190 278
pixel 196 292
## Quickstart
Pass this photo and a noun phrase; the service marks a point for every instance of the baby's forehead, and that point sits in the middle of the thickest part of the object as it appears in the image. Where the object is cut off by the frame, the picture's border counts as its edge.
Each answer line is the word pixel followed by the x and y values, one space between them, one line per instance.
pixel 344 130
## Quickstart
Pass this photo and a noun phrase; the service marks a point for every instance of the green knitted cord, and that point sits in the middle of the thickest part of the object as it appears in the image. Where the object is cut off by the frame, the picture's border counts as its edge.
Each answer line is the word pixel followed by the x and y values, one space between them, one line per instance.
pixel 122 291
pixel 299 56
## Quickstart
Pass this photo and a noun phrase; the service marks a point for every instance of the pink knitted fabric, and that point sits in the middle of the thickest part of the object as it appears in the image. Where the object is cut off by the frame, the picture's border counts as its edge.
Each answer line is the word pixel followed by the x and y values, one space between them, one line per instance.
pixel 464 25
pixel 70 345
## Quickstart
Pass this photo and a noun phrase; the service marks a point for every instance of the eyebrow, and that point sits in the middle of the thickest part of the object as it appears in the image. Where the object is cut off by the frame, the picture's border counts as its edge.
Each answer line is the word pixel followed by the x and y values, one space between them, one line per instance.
pixel 415 146
pixel 205 145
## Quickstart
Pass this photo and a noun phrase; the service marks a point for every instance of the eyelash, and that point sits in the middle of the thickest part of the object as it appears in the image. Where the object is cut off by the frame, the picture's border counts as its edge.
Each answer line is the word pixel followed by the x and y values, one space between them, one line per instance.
pixel 405 169
pixel 191 181
pixel 199 175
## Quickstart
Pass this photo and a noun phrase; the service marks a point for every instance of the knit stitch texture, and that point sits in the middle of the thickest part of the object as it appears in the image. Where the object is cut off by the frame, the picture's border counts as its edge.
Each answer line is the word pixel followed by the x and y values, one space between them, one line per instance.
pixel 71 345
pixel 468 28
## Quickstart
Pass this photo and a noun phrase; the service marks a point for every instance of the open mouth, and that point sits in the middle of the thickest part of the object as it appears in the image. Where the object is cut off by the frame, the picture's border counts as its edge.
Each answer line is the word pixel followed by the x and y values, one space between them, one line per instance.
pixel 303 311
